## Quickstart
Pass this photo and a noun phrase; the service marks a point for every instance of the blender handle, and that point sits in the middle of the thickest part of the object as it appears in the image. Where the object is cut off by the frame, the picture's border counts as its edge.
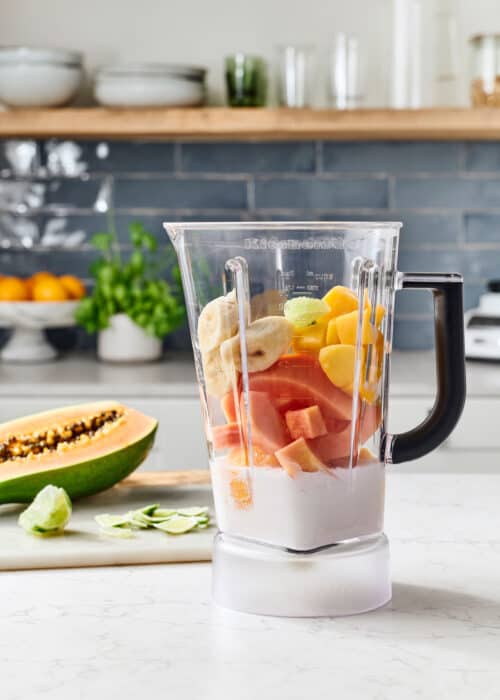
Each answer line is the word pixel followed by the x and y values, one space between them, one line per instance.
pixel 447 290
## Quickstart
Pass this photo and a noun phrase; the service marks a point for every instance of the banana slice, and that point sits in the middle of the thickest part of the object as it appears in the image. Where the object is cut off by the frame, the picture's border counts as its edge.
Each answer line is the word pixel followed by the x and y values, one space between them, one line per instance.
pixel 218 321
pixel 217 381
pixel 267 339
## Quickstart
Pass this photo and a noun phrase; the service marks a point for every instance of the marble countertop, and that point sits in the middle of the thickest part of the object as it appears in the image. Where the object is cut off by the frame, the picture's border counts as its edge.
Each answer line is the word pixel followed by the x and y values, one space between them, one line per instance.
pixel 412 374
pixel 132 632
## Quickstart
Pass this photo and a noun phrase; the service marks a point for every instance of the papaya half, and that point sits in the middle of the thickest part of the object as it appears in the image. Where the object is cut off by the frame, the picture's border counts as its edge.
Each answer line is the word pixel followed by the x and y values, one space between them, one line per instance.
pixel 83 449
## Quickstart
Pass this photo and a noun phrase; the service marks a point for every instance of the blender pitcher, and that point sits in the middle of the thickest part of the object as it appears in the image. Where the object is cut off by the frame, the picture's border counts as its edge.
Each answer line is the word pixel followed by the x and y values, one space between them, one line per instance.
pixel 291 325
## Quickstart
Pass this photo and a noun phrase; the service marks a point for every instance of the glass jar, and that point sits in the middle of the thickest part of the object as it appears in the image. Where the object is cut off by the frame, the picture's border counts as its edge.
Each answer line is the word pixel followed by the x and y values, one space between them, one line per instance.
pixel 485 86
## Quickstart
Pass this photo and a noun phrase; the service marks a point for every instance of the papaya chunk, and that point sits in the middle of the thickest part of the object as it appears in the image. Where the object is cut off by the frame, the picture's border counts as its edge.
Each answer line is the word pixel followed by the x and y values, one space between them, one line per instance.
pixel 228 407
pixel 297 456
pixel 297 381
pixel 268 429
pixel 333 448
pixel 306 423
pixel 224 436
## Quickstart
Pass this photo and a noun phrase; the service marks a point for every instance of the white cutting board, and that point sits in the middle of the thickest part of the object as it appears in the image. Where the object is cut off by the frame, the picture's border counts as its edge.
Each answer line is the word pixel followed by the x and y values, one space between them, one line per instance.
pixel 83 545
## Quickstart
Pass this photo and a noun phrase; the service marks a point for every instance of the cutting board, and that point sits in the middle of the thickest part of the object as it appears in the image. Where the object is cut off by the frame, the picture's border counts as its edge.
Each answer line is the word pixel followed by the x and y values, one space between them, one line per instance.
pixel 83 545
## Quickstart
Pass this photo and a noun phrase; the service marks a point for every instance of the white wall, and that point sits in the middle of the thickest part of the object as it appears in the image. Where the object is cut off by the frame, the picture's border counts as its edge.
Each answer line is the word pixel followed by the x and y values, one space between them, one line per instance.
pixel 203 31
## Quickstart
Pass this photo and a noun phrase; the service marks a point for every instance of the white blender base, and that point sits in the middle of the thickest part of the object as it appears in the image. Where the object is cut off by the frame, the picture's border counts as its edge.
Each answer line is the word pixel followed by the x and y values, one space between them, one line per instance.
pixel 344 579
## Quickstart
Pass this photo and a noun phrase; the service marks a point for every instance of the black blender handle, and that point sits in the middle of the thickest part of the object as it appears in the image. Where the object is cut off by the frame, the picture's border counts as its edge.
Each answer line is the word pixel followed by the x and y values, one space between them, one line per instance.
pixel 447 290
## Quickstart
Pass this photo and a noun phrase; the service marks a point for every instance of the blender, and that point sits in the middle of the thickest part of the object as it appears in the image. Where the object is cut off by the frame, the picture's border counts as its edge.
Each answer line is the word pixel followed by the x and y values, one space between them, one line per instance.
pixel 291 325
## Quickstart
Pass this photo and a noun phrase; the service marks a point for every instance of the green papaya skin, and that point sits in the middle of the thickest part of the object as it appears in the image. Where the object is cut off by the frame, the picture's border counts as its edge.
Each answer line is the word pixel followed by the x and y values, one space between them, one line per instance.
pixel 81 479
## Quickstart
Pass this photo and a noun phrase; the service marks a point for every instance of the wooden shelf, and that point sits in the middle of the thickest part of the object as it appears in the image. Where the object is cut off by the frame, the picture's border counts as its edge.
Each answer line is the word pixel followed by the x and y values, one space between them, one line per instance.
pixel 267 124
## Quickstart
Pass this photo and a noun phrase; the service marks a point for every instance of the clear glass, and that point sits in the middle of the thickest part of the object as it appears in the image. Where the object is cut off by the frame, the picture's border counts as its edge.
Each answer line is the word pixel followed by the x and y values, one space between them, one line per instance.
pixel 485 85
pixel 345 85
pixel 446 54
pixel 294 79
pixel 246 81
pixel 293 395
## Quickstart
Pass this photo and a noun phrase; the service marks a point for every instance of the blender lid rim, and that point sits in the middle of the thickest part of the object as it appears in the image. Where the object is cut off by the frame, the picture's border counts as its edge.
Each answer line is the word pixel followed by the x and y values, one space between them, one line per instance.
pixel 320 225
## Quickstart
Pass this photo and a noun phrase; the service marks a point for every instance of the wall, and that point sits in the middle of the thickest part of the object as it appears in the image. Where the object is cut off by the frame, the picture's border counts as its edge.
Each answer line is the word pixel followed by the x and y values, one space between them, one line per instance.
pixel 200 32
pixel 447 195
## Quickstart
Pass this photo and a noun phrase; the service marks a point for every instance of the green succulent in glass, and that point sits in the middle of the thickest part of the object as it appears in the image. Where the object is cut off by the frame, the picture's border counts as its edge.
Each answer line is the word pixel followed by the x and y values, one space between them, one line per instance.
pixel 246 81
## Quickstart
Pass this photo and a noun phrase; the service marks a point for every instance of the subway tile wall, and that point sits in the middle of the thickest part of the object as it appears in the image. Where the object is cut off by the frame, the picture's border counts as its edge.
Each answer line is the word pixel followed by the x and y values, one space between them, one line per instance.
pixel 447 194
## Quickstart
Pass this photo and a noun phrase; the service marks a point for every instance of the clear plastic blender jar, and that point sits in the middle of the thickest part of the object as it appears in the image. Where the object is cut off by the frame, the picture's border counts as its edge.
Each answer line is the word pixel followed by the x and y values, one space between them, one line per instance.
pixel 291 325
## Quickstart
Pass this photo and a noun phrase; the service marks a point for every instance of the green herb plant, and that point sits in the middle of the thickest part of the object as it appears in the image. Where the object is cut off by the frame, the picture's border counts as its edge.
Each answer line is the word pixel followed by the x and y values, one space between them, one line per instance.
pixel 135 286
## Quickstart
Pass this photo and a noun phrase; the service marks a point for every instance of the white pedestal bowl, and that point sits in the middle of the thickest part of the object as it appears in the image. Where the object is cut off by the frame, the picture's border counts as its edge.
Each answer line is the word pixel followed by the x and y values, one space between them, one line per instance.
pixel 28 319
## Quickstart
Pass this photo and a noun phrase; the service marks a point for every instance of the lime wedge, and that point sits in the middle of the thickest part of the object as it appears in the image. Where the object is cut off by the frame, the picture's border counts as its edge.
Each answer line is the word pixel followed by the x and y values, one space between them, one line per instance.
pixel 177 525
pixel 304 311
pixel 48 514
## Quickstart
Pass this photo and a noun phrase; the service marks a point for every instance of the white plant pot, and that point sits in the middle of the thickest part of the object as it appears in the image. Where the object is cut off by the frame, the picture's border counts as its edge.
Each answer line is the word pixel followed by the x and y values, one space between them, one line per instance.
pixel 125 341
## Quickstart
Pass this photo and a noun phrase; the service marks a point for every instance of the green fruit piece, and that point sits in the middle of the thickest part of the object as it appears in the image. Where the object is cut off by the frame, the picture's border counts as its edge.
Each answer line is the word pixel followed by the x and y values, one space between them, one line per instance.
pixel 193 511
pixel 82 466
pixel 177 525
pixel 137 519
pixel 124 533
pixel 304 311
pixel 164 513
pixel 106 520
pixel 48 514
pixel 149 510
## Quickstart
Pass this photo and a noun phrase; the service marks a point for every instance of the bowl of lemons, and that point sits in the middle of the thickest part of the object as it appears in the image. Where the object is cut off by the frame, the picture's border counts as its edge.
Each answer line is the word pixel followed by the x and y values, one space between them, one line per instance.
pixel 30 305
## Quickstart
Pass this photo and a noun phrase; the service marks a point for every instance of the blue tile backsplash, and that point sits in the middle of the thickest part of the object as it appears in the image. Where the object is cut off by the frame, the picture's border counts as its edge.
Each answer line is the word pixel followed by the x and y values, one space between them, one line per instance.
pixel 446 193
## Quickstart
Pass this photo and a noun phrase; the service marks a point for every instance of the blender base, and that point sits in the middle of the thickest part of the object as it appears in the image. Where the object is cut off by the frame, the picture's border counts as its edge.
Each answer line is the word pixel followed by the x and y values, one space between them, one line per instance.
pixel 344 579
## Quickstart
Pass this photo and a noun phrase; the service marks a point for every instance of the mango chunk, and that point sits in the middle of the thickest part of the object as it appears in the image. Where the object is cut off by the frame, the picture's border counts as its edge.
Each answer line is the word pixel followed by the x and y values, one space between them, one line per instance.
pixel 379 314
pixel 341 300
pixel 309 339
pixel 337 362
pixel 332 336
pixel 347 326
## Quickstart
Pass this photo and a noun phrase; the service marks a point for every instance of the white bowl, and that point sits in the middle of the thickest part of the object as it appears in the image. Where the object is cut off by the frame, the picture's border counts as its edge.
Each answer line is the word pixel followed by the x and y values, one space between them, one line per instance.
pixel 38 77
pixel 150 85
pixel 28 319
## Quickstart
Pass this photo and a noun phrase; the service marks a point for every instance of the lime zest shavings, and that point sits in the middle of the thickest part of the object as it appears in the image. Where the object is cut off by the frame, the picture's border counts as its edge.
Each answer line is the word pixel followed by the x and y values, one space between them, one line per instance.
pixel 173 521
pixel 49 512
pixel 305 311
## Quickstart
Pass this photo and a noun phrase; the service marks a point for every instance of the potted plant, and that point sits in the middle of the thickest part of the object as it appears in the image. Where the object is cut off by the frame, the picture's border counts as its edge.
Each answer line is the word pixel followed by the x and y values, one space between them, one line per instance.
pixel 132 307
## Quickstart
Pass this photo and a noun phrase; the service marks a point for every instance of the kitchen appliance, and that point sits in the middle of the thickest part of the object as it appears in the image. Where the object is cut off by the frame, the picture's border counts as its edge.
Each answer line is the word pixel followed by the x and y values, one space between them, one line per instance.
pixel 482 326
pixel 31 77
pixel 294 396
pixel 150 85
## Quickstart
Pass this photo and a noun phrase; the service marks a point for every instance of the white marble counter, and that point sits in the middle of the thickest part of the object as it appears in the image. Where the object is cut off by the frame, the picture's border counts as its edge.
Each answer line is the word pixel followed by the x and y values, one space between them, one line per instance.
pixel 412 374
pixel 128 633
